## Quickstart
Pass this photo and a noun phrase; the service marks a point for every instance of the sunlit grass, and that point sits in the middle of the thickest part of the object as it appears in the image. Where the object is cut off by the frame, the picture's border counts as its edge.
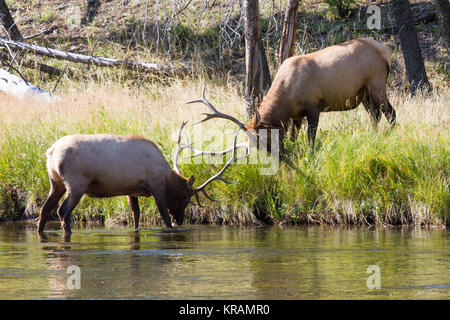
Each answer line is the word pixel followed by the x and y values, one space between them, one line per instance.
pixel 354 174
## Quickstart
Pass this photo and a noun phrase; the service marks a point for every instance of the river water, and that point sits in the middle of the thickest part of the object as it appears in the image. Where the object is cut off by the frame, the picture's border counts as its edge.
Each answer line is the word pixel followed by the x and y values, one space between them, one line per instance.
pixel 219 262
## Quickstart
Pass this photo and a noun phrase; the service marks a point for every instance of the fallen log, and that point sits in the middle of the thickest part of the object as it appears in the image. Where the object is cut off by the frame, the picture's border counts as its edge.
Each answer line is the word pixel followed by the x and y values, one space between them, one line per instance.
pixel 20 89
pixel 32 64
pixel 93 60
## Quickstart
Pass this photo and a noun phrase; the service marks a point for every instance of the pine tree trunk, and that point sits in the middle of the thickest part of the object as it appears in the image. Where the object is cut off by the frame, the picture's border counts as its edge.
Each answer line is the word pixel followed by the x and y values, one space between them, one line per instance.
pixel 443 13
pixel 267 81
pixel 91 11
pixel 255 60
pixel 289 30
pixel 7 21
pixel 415 68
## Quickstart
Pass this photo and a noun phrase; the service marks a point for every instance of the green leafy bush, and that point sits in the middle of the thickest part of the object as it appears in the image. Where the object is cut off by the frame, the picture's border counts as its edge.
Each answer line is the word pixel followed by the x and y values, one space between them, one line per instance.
pixel 340 7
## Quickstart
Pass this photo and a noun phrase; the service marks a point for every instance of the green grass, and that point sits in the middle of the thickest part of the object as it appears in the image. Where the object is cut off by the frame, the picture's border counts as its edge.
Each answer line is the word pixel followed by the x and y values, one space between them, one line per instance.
pixel 48 15
pixel 355 174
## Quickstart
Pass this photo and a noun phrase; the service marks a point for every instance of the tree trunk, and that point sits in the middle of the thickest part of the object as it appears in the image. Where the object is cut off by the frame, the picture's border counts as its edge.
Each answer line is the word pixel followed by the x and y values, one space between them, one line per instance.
pixel 267 82
pixel 91 12
pixel 443 13
pixel 255 60
pixel 8 23
pixel 289 28
pixel 415 68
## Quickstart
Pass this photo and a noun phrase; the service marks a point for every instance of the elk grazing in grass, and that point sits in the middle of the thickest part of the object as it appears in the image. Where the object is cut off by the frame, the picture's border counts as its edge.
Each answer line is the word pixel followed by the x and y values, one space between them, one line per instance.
pixel 102 165
pixel 337 78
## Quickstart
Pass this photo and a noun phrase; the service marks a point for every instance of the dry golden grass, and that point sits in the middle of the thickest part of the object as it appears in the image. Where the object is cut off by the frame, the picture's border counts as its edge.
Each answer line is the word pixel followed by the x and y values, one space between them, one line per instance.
pixel 354 174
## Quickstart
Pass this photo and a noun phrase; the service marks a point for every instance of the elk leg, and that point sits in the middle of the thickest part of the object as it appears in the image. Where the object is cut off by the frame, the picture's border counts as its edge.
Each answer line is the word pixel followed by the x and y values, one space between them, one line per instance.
pixel 372 109
pixel 161 203
pixel 389 112
pixel 380 100
pixel 65 209
pixel 134 205
pixel 313 121
pixel 295 128
pixel 56 192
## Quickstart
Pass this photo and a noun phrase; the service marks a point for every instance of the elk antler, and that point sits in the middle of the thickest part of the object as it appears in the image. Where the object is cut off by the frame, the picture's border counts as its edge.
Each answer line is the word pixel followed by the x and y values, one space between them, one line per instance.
pixel 215 113
pixel 197 153
pixel 218 176
pixel 180 148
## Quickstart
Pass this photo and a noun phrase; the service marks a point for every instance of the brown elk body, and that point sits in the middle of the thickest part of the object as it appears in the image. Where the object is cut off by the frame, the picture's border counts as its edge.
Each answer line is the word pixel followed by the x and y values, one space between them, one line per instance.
pixel 106 166
pixel 336 78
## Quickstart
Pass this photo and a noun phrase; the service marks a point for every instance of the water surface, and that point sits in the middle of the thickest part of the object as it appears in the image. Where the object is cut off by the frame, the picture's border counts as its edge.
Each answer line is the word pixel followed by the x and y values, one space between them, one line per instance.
pixel 217 262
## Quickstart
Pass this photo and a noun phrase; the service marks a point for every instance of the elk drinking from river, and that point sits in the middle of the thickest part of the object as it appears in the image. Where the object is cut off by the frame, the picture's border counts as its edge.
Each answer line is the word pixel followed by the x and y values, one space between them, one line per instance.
pixel 103 165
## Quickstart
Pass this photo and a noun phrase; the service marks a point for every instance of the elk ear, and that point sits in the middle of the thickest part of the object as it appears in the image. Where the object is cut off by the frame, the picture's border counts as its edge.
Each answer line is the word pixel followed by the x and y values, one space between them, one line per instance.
pixel 190 182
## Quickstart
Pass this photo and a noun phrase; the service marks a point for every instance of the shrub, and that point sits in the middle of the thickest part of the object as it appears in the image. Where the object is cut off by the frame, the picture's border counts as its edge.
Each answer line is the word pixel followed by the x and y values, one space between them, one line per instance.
pixel 339 7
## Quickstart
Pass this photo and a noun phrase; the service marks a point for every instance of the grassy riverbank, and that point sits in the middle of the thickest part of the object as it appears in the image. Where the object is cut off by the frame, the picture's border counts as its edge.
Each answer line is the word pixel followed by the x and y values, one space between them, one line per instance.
pixel 354 174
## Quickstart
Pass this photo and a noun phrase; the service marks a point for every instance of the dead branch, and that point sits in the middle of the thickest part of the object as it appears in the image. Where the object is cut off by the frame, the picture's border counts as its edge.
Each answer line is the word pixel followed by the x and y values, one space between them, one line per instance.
pixel 45 31
pixel 32 64
pixel 93 60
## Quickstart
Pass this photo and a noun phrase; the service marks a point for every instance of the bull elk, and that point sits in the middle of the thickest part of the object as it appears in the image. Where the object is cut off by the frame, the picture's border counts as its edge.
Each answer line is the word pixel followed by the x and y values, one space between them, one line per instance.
pixel 102 165
pixel 337 78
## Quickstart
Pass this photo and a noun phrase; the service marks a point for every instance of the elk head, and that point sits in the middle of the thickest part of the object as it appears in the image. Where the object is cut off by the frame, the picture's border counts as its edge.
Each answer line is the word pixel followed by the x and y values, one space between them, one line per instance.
pixel 179 196
pixel 256 131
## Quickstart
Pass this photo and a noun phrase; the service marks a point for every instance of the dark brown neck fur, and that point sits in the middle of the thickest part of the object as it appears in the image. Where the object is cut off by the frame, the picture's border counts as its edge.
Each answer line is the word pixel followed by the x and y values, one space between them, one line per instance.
pixel 176 188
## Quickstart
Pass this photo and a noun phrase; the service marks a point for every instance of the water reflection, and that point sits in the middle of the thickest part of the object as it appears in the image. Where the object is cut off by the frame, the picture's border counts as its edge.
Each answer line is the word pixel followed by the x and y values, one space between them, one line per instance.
pixel 204 262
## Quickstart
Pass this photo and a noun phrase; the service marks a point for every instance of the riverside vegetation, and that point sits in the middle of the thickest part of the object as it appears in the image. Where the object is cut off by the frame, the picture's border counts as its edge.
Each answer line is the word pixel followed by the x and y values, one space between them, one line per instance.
pixel 355 173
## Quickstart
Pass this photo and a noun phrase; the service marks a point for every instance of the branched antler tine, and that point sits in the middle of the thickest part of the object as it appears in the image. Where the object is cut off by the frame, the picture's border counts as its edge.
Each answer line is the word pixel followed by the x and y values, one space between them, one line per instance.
pixel 204 101
pixel 203 90
pixel 218 176
pixel 214 153
pixel 183 124
pixel 198 200
pixel 208 196
pixel 215 113
pixel 209 116
pixel 221 115
pixel 195 101
pixel 186 136
pixel 226 181
pixel 179 148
